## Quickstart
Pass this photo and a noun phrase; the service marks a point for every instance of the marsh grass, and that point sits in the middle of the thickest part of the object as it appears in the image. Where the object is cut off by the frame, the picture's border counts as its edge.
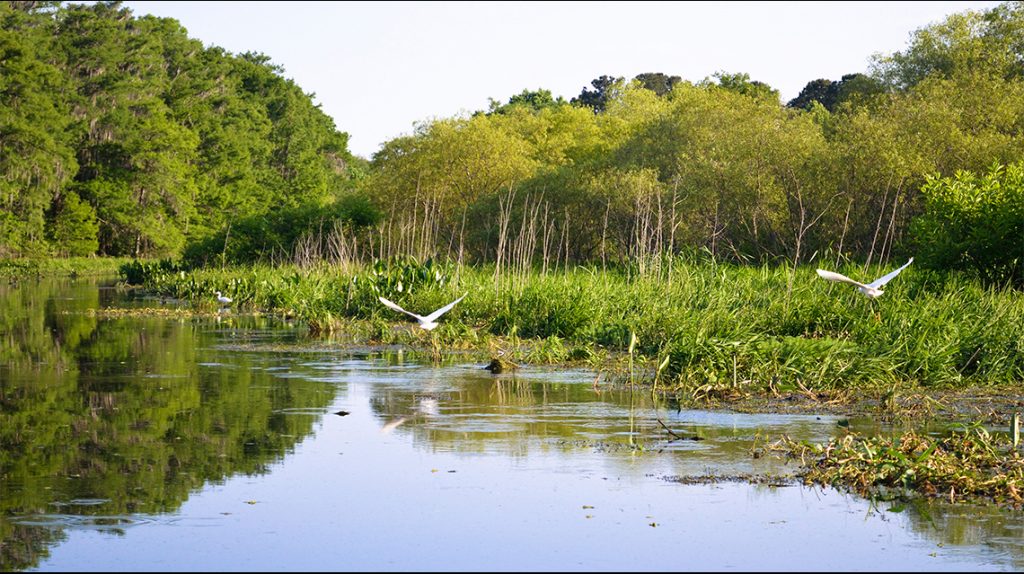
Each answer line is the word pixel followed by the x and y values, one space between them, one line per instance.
pixel 725 330
pixel 62 266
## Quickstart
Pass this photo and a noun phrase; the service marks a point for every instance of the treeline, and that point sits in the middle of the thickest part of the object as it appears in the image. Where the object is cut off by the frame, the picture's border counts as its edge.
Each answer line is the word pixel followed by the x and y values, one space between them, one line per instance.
pixel 120 135
pixel 628 171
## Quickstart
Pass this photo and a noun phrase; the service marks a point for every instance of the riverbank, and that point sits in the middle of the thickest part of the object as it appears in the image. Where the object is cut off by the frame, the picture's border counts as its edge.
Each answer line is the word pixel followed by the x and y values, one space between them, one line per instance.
pixel 713 327
pixel 60 267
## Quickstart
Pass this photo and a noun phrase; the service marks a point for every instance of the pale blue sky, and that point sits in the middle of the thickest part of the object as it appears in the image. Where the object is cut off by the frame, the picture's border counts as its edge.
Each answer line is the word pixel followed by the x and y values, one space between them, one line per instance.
pixel 379 67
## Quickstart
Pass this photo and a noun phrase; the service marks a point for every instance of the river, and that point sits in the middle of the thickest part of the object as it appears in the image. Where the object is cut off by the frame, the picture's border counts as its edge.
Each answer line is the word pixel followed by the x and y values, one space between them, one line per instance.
pixel 163 441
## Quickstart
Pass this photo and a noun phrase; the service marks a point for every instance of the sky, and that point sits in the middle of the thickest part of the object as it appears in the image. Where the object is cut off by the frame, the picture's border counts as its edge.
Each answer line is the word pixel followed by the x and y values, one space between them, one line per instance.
pixel 379 68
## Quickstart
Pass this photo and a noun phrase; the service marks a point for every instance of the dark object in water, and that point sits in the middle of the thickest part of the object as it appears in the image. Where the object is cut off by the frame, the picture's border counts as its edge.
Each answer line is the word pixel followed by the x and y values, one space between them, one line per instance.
pixel 498 365
pixel 342 413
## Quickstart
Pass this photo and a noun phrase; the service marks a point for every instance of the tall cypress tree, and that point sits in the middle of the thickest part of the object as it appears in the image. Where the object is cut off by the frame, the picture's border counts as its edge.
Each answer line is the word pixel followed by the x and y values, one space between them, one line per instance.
pixel 36 159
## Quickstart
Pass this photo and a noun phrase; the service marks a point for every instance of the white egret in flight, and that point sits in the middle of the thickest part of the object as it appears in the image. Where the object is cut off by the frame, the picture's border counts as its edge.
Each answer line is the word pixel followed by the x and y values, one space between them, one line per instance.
pixel 872 289
pixel 428 322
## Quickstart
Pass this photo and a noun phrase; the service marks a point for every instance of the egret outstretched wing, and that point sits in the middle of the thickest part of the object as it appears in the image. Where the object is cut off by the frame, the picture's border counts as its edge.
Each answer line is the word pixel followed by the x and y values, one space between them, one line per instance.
pixel 873 289
pixel 833 276
pixel 888 277
pixel 425 322
pixel 400 310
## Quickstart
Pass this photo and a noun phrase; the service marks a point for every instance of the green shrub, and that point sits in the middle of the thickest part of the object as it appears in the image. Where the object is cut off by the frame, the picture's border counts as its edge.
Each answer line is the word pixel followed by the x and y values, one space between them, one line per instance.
pixel 975 222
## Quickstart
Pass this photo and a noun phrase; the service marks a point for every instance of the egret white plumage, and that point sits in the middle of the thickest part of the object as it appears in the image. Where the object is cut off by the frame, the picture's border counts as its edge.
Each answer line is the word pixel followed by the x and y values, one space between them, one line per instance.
pixel 428 322
pixel 222 299
pixel 871 290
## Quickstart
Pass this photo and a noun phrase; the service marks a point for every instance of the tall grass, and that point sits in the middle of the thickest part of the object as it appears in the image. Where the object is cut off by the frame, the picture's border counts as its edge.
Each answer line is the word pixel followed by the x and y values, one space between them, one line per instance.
pixel 719 325
pixel 57 266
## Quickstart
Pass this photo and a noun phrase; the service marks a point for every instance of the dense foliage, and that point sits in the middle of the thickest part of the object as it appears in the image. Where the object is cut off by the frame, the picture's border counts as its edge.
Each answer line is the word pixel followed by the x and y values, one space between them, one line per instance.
pixel 120 135
pixel 975 222
pixel 629 170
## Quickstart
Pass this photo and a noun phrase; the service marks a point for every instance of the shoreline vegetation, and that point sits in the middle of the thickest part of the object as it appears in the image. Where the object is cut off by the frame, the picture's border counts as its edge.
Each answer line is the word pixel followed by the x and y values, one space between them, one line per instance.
pixel 965 465
pixel 715 333
pixel 18 268
pixel 126 137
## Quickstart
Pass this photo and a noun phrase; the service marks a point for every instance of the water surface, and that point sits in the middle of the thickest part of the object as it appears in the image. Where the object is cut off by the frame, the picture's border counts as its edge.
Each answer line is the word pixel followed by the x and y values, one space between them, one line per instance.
pixel 187 443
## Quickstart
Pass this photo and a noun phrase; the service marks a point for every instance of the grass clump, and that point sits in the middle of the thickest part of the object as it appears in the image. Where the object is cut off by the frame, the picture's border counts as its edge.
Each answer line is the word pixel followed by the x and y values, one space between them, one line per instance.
pixel 971 465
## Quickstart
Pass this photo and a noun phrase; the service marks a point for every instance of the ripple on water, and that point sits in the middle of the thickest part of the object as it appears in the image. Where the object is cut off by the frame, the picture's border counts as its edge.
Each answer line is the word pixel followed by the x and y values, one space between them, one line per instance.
pixel 82 522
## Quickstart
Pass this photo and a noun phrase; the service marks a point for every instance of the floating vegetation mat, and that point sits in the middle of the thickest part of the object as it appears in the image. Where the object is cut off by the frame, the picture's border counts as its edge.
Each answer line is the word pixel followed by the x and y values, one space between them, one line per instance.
pixel 972 465
pixel 769 480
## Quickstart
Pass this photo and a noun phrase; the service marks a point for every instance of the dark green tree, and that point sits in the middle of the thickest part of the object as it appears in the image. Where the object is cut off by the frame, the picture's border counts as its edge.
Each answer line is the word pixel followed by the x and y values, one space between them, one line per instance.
pixel 137 163
pixel 73 227
pixel 597 99
pixel 36 156
pixel 535 100
pixel 821 90
pixel 852 88
pixel 657 82
pixel 742 84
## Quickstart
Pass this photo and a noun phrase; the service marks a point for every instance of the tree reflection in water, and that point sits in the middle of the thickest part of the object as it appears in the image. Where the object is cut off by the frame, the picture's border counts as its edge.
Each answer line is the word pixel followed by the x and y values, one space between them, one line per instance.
pixel 133 413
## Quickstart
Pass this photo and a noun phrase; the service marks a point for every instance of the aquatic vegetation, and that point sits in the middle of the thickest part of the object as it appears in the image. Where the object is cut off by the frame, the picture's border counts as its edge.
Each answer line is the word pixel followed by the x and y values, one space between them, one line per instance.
pixel 137 271
pixel 550 349
pixel 61 266
pixel 725 330
pixel 971 464
pixel 404 274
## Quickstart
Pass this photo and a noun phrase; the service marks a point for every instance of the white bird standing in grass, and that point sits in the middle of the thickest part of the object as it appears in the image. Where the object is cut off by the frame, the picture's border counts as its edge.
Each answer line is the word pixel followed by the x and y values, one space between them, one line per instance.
pixel 428 322
pixel 222 299
pixel 872 289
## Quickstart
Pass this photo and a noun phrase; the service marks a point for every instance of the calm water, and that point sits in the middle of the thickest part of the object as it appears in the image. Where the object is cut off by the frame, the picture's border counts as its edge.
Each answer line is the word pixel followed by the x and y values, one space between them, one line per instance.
pixel 167 443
